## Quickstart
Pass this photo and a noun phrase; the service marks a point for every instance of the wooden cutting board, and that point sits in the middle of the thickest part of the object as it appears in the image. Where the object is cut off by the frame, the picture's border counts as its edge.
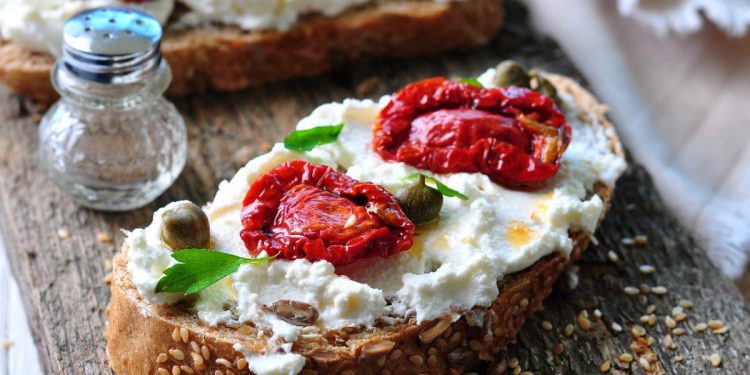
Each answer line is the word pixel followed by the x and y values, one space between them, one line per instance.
pixel 62 277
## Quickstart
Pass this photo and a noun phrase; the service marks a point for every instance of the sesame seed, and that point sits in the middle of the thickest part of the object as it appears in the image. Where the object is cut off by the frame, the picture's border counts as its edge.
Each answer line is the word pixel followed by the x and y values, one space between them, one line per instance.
pixel 416 359
pixel 176 370
pixel 605 366
pixel 184 334
pixel 678 331
pixel 685 303
pixel 715 324
pixel 546 325
pixel 669 343
pixel 669 322
pixel 524 302
pixel 517 371
pixel 651 319
pixel 643 362
pixel 677 310
pixel 715 360
pixel 513 362
pixel 650 340
pixel 720 331
pixel 584 322
pixel 161 358
pixel 660 290
pixel 626 357
pixel 631 291
pixel 568 330
pixel 644 288
pixel 680 317
pixel 646 268
pixel 597 313
pixel 194 346
pixel 162 371
pixel 177 354
pixel 205 353
pixel 679 358
pixel 640 239
pixel 104 237
pixel 63 234
pixel 176 334
pixel 612 256
pixel 187 369
pixel 242 363
pixel 224 362
pixel 637 331
pixel 616 327
pixel 643 319
pixel 627 241
pixel 700 327
pixel 197 359
pixel 650 309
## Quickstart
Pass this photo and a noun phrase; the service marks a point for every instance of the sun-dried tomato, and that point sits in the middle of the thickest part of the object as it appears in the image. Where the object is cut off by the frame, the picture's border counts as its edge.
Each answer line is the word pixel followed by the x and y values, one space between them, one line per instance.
pixel 304 210
pixel 514 135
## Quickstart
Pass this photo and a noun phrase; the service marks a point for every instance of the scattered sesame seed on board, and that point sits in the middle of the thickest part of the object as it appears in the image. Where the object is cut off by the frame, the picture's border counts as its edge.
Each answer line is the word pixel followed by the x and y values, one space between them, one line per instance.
pixel 669 322
pixel 640 239
pixel 646 268
pixel 104 237
pixel 650 309
pixel 676 311
pixel 720 331
pixel 568 330
pixel 625 357
pixel 643 362
pixel 63 234
pixel 631 291
pixel 627 241
pixel 597 313
pixel 616 327
pixel 679 331
pixel 679 358
pixel 612 256
pixel 637 331
pixel 659 290
pixel 715 360
pixel 513 362
pixel 700 327
pixel 715 324
pixel 546 325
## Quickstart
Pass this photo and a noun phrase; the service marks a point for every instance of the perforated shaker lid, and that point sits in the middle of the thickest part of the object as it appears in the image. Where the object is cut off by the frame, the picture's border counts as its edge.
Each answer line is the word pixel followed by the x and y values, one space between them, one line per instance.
pixel 112 45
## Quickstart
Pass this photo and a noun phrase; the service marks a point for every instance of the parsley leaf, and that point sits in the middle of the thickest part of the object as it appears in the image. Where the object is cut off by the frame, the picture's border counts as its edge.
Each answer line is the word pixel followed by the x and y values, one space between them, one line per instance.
pixel 472 81
pixel 306 140
pixel 441 187
pixel 200 268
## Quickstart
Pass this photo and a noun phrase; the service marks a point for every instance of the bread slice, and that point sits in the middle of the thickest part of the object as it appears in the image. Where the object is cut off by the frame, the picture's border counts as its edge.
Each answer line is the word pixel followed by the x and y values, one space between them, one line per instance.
pixel 227 58
pixel 141 336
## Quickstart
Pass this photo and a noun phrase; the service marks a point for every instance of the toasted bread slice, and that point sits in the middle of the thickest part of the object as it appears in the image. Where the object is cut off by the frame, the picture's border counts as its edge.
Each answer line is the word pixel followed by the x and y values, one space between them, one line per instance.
pixel 226 58
pixel 141 336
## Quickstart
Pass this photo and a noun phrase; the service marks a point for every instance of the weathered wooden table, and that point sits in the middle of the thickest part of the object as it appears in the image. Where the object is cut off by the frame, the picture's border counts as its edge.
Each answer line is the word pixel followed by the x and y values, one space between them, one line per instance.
pixel 62 277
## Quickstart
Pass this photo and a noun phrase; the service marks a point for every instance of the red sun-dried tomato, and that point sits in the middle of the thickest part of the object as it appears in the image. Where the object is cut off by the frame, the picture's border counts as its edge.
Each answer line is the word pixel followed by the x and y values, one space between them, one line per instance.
pixel 304 210
pixel 515 136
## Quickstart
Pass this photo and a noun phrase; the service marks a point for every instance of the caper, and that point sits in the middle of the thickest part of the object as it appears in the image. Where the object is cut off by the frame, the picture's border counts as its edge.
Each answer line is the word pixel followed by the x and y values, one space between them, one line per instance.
pixel 545 87
pixel 420 203
pixel 511 73
pixel 294 312
pixel 185 226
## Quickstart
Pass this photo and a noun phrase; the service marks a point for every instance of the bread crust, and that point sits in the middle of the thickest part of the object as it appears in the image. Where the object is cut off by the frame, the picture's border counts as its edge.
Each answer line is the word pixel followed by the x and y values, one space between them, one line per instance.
pixel 226 58
pixel 138 332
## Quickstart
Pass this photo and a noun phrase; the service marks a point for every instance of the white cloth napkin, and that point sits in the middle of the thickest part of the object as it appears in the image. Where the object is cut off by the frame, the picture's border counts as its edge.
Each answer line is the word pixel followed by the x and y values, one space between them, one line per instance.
pixel 686 16
pixel 681 105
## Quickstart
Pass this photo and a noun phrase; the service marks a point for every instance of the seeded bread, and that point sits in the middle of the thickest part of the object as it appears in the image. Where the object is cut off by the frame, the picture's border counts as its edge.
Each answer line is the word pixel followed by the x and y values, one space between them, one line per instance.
pixel 147 339
pixel 226 58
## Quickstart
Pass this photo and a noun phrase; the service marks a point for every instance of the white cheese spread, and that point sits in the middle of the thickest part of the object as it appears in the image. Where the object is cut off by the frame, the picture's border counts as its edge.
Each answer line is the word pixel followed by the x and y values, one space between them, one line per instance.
pixel 453 265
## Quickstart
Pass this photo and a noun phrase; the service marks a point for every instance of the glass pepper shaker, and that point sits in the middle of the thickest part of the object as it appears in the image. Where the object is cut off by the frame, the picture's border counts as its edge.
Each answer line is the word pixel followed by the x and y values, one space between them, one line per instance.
pixel 112 141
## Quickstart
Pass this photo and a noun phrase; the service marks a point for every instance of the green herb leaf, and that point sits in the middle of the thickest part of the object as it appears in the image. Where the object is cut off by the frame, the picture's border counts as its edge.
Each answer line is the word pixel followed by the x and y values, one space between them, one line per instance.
pixel 200 268
pixel 441 187
pixel 472 81
pixel 306 140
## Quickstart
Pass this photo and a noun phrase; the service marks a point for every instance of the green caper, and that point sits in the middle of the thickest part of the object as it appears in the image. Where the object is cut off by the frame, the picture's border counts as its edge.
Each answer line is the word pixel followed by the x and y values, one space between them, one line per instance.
pixel 511 73
pixel 420 203
pixel 185 226
pixel 545 87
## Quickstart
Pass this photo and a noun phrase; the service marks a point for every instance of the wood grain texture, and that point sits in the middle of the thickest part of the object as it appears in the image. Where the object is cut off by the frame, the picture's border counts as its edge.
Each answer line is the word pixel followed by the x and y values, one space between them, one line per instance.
pixel 65 297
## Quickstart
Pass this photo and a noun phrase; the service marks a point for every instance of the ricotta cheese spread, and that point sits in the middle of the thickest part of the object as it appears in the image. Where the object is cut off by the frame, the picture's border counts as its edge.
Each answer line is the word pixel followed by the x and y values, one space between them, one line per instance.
pixel 454 265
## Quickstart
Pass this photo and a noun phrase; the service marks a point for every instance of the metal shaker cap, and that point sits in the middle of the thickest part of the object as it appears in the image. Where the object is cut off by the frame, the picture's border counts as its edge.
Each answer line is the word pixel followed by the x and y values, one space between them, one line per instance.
pixel 112 45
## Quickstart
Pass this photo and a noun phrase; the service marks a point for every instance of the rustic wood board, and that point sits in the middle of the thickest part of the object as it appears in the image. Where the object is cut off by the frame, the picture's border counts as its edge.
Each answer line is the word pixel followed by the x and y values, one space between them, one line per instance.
pixel 62 279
